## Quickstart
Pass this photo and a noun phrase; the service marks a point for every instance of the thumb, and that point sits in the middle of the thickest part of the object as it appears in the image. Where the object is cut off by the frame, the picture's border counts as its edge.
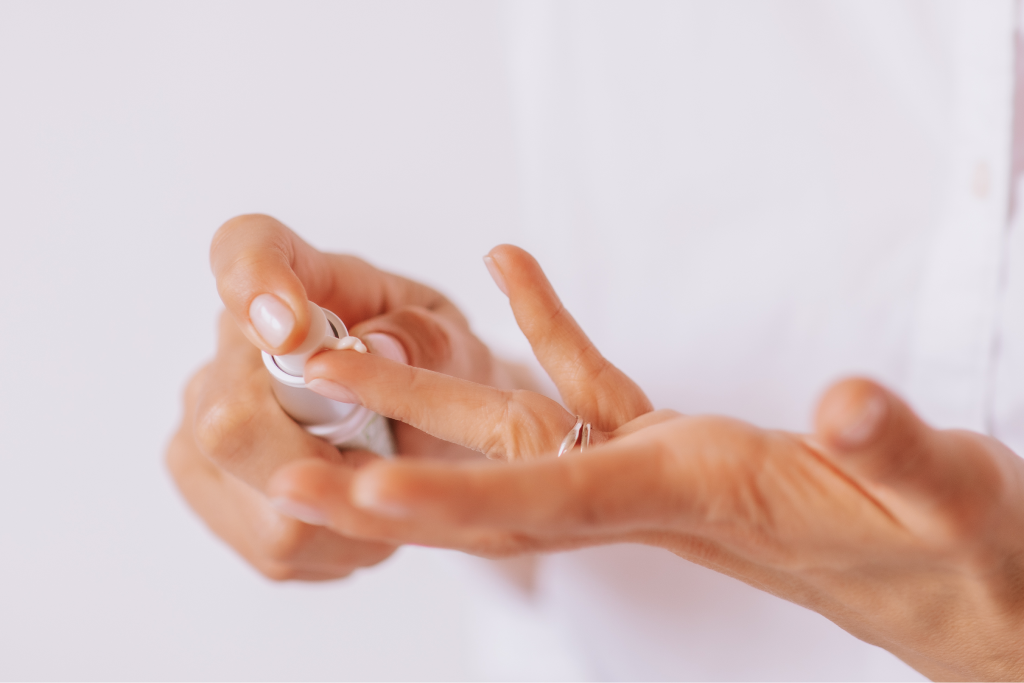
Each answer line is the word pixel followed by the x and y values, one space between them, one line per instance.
pixel 922 475
pixel 254 259
pixel 266 274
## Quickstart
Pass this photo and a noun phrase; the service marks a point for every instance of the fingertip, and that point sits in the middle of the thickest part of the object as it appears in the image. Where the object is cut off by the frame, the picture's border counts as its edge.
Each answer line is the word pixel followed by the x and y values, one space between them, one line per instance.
pixel 509 258
pixel 522 279
pixel 501 250
pixel 874 436
pixel 496 274
pixel 852 414
pixel 510 267
pixel 387 346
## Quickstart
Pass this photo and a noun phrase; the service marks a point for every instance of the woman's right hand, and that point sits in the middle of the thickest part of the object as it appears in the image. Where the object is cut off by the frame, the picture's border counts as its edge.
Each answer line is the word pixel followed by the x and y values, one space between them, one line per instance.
pixel 234 435
pixel 907 536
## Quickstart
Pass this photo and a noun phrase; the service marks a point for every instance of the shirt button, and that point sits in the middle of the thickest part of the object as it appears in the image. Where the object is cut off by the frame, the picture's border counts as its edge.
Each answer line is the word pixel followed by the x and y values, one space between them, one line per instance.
pixel 981 180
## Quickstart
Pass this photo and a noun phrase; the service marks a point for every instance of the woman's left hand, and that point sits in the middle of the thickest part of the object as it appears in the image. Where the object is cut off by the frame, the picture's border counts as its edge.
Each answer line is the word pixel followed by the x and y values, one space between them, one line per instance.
pixel 908 537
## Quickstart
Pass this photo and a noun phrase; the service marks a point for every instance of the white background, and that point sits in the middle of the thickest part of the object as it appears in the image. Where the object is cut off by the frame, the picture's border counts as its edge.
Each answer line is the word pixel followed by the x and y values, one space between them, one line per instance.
pixel 128 133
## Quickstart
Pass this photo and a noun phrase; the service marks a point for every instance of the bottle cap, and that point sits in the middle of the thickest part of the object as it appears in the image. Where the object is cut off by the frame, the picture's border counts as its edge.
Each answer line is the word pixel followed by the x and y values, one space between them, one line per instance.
pixel 324 327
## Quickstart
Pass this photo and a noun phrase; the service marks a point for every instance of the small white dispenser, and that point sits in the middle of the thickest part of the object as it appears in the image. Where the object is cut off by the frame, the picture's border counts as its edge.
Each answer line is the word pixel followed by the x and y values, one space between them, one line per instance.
pixel 345 425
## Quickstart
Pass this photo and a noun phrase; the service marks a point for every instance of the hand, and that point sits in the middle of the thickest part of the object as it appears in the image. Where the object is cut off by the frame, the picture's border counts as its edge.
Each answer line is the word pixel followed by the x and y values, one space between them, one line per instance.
pixel 234 434
pixel 908 537
pixel 501 424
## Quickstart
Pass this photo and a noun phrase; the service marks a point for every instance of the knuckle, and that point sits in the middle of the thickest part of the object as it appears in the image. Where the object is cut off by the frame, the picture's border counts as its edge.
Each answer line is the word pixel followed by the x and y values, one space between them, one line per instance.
pixel 232 229
pixel 234 275
pixel 180 449
pixel 223 423
pixel 242 243
pixel 741 457
pixel 520 431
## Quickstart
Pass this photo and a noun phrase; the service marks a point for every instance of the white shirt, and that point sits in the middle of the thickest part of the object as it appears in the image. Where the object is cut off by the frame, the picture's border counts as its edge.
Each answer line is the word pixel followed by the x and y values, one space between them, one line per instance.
pixel 811 190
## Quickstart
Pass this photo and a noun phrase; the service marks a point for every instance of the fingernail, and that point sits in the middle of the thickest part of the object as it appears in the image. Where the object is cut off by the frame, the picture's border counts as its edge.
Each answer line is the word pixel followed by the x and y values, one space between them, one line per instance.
pixel 386 346
pixel 333 390
pixel 300 511
pixel 863 426
pixel 366 494
pixel 496 275
pixel 272 319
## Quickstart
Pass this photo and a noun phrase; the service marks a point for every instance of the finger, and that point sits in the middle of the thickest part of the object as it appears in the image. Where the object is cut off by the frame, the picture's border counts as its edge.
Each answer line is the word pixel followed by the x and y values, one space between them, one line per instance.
pixel 588 383
pixel 424 338
pixel 500 424
pixel 262 270
pixel 279 547
pixel 706 476
pixel 930 479
pixel 617 489
pixel 418 336
pixel 322 490
pixel 753 491
pixel 265 274
pixel 236 421
pixel 326 487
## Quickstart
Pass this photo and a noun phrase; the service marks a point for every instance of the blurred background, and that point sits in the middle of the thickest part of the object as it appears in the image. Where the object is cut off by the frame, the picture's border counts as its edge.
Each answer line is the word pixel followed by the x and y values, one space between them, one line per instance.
pixel 647 153
pixel 128 133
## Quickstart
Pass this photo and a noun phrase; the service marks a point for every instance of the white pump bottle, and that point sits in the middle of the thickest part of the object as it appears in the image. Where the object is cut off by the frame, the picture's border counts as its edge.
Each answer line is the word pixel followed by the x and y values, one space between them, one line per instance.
pixel 343 424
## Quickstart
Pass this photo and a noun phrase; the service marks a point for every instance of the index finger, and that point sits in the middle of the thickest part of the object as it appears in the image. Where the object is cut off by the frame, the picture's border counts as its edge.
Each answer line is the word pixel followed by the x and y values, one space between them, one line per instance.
pixel 265 274
pixel 500 424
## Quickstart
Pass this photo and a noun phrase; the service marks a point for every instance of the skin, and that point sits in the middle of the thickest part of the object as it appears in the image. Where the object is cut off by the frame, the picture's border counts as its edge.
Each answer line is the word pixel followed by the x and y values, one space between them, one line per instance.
pixel 234 435
pixel 906 536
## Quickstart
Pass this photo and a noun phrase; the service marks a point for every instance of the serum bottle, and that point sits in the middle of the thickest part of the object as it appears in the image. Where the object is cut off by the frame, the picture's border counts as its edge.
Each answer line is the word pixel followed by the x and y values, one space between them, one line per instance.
pixel 345 425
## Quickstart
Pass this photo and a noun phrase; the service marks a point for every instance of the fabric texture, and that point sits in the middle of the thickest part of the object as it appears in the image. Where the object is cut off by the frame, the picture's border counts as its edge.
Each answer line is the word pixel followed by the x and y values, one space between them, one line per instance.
pixel 811 190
